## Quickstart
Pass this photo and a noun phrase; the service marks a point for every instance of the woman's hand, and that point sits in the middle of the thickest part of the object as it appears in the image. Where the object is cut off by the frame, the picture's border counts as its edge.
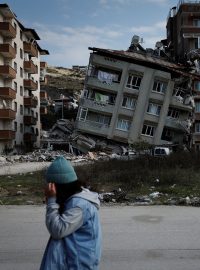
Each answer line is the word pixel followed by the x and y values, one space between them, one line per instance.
pixel 50 190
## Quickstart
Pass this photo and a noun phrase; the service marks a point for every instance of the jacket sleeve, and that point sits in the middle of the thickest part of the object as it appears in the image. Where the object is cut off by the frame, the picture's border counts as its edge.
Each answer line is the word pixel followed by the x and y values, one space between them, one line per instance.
pixel 60 226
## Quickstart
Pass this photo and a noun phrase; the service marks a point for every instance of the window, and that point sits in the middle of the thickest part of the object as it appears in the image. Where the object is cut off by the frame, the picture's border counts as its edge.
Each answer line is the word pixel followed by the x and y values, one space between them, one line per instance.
pixel 148 130
pixel 21 72
pixel 15 126
pixel 36 115
pixel 21 91
pixel 196 22
pixel 103 119
pixel 15 26
pixel 83 114
pixel 197 43
pixel 167 134
pixel 36 132
pixel 15 66
pixel 21 128
pixel 154 109
pixel 172 113
pixel 129 102
pixel 159 86
pixel 15 47
pixel 21 54
pixel 15 86
pixel 21 109
pixel 134 82
pixel 197 85
pixel 15 104
pixel 197 127
pixel 197 106
pixel 21 34
pixel 123 124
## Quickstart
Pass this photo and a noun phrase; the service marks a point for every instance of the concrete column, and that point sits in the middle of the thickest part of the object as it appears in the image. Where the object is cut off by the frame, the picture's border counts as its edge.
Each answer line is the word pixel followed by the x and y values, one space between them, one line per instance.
pixel 141 106
pixel 163 113
pixel 118 101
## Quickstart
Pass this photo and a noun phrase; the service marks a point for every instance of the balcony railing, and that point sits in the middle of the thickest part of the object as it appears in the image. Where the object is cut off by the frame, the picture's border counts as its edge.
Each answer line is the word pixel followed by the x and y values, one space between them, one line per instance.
pixel 7 114
pixel 31 102
pixel 29 120
pixel 6 50
pixel 7 93
pixel 30 67
pixel 7 30
pixel 7 72
pixel 7 135
pixel 30 84
pixel 30 49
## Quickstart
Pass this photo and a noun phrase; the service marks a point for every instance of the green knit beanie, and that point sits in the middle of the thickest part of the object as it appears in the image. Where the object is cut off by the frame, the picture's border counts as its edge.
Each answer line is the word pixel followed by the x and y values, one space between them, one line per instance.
pixel 61 172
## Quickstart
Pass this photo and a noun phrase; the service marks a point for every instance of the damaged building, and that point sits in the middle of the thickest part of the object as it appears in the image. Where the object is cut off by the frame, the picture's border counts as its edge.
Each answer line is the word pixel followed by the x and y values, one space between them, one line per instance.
pixel 134 95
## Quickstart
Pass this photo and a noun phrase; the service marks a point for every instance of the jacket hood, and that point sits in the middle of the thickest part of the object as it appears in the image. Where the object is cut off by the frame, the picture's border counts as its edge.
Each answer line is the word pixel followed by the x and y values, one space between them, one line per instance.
pixel 92 197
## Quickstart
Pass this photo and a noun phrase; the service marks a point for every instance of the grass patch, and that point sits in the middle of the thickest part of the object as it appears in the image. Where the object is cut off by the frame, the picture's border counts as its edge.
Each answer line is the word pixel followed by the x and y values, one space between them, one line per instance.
pixel 175 176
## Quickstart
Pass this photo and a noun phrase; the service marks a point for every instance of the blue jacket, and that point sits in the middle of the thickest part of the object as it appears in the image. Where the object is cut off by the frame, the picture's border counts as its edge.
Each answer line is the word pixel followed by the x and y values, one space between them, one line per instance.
pixel 75 242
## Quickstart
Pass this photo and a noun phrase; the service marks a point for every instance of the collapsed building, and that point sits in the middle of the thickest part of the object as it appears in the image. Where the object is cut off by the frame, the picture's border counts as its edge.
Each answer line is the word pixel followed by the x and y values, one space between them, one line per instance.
pixel 136 95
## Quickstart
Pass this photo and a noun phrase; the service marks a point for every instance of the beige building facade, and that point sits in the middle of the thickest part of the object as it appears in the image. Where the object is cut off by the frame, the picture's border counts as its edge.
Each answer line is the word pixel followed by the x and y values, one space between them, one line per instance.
pixel 130 96
pixel 19 84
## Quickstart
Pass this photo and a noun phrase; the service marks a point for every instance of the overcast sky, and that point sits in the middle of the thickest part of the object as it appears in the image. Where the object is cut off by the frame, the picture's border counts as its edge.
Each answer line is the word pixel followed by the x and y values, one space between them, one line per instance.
pixel 68 27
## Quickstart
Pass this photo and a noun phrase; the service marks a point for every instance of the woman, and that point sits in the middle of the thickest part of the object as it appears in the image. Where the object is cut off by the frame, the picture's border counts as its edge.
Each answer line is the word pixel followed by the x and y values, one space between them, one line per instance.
pixel 72 220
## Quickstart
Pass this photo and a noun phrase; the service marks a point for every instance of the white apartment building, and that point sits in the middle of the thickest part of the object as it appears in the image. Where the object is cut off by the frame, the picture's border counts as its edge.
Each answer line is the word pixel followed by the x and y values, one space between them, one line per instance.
pixel 19 84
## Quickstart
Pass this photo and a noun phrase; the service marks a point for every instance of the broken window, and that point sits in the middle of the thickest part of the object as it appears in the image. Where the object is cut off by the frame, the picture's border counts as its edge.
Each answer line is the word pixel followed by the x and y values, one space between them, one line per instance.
pixel 134 81
pixel 129 102
pixel 123 124
pixel 148 130
pixel 173 113
pixel 83 114
pixel 159 86
pixel 154 109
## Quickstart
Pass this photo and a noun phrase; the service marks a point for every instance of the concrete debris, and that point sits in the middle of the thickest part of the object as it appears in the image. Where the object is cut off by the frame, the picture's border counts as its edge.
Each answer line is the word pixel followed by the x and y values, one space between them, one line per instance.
pixel 115 196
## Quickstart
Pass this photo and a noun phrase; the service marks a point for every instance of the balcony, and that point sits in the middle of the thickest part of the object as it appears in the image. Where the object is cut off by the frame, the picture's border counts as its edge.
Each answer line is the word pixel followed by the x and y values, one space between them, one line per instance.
pixel 7 93
pixel 30 49
pixel 178 103
pixel 95 82
pixel 7 114
pixel 7 72
pixel 7 30
pixel 92 127
pixel 7 135
pixel 29 120
pixel 29 137
pixel 43 110
pixel 6 50
pixel 43 65
pixel 30 102
pixel 190 31
pixel 174 124
pixel 30 84
pixel 97 106
pixel 30 67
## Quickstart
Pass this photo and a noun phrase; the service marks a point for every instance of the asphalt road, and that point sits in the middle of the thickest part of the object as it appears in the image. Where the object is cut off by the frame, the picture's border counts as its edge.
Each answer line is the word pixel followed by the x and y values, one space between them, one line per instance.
pixel 134 238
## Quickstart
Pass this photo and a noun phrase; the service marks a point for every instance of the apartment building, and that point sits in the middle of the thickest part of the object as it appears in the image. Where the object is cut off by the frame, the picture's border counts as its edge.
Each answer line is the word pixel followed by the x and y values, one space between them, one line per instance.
pixel 19 83
pixel 134 95
pixel 183 45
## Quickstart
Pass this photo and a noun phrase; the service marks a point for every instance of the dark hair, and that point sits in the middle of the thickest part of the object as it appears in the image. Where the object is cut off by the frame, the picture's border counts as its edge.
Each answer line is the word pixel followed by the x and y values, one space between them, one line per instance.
pixel 64 191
